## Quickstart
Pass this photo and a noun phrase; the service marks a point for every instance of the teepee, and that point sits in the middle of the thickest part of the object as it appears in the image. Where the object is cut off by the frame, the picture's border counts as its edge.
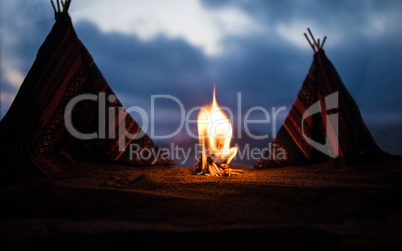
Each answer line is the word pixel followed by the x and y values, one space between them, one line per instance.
pixel 34 131
pixel 324 122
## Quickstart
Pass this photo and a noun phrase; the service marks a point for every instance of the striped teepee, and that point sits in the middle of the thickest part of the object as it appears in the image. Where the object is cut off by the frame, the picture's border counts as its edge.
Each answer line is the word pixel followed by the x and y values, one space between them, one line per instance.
pixel 34 129
pixel 323 123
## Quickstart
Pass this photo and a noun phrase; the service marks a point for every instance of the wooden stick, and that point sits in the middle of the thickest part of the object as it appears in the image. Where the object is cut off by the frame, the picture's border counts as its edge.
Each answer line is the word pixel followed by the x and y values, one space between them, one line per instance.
pixel 311 34
pixel 318 42
pixel 216 168
pixel 210 170
pixel 200 173
pixel 312 46
pixel 58 5
pixel 323 41
pixel 54 7
pixel 224 166
pixel 68 2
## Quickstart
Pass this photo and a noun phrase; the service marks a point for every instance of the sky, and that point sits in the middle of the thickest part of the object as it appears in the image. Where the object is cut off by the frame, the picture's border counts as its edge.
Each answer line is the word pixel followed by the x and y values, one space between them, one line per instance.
pixel 254 49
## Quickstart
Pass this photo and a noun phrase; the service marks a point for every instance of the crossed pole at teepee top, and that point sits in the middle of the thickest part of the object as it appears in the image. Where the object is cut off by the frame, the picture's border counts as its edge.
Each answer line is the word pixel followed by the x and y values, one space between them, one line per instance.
pixel 65 4
pixel 316 43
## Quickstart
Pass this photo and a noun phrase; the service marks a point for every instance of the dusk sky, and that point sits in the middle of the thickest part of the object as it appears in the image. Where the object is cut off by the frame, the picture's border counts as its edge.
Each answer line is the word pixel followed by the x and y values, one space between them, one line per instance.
pixel 252 47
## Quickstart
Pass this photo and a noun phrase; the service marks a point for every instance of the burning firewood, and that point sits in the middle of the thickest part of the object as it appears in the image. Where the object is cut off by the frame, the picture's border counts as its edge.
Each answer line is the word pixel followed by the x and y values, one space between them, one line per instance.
pixel 215 169
pixel 215 133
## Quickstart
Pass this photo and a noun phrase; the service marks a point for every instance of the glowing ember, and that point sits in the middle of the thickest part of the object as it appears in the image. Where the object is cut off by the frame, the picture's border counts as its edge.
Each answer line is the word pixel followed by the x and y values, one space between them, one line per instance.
pixel 215 133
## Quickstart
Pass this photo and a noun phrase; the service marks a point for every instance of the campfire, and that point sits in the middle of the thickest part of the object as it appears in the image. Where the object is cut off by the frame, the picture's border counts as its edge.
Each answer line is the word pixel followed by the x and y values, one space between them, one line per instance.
pixel 215 133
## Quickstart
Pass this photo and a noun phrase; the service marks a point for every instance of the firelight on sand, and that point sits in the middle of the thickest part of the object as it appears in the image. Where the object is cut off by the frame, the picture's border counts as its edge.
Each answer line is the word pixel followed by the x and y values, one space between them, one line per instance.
pixel 215 133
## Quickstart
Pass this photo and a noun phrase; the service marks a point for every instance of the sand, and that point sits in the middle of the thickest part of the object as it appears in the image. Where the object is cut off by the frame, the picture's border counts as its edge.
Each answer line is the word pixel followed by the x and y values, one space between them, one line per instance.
pixel 317 206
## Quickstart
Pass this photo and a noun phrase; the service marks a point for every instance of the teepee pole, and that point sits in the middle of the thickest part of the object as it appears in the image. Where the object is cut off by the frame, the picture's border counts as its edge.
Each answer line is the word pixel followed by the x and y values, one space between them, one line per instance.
pixel 312 46
pixel 66 5
pixel 58 5
pixel 323 41
pixel 311 34
pixel 54 7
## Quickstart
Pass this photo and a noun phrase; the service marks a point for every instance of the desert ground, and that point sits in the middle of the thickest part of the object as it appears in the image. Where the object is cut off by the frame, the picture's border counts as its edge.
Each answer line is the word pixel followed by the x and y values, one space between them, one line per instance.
pixel 316 206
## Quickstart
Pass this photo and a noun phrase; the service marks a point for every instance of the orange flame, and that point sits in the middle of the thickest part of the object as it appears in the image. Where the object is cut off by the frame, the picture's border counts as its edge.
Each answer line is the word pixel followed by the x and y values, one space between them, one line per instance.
pixel 215 128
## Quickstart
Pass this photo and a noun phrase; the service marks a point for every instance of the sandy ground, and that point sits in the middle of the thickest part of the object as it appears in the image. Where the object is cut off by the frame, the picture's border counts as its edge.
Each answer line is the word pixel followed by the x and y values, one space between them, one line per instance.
pixel 315 206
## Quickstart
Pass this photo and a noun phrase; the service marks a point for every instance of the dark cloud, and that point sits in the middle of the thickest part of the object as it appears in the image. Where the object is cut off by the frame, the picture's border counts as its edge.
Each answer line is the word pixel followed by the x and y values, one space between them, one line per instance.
pixel 160 65
pixel 349 16
pixel 24 26
pixel 138 69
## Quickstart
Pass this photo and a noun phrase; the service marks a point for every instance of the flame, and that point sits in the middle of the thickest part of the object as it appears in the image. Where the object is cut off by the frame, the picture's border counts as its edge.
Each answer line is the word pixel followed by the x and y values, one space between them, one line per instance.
pixel 215 131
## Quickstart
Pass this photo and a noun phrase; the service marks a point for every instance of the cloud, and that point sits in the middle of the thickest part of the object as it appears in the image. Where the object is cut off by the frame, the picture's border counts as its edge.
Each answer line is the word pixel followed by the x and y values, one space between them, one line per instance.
pixel 186 19
pixel 23 27
pixel 161 65
pixel 340 20
pixel 12 76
